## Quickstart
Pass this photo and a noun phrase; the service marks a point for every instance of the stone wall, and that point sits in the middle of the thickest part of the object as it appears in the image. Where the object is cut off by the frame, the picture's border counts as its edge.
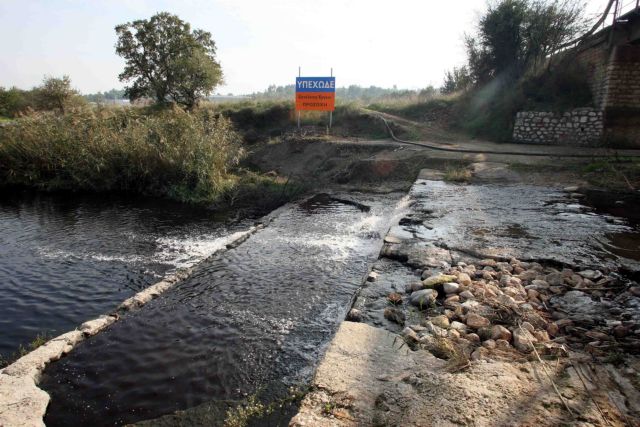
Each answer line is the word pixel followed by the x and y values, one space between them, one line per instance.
pixel 582 126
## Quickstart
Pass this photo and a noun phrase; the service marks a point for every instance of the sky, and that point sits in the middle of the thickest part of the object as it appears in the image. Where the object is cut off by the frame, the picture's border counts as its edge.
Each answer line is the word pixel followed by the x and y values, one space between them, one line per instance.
pixel 407 43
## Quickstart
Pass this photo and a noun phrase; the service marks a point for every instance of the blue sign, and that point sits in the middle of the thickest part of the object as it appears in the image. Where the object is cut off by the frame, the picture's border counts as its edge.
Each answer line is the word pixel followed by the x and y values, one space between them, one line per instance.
pixel 315 84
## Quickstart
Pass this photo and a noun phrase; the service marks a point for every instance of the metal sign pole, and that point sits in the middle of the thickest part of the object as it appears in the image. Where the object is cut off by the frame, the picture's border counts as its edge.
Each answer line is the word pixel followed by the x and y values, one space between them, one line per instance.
pixel 331 112
pixel 299 75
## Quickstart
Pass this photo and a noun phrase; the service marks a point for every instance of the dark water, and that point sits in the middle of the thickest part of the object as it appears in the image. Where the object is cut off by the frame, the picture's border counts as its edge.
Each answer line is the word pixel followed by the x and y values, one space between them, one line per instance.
pixel 252 319
pixel 67 259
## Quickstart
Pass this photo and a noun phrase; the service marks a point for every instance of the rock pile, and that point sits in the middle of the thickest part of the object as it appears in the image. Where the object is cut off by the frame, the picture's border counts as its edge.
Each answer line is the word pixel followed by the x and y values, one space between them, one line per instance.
pixel 494 309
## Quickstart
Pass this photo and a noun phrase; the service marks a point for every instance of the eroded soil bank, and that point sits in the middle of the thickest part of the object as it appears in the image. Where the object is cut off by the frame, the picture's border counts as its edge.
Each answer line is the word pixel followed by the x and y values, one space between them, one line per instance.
pixel 490 305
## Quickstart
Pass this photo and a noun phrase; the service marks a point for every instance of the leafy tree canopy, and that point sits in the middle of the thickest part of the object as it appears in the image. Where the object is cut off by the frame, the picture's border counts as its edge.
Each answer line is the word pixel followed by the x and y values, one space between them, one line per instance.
pixel 515 35
pixel 56 93
pixel 167 61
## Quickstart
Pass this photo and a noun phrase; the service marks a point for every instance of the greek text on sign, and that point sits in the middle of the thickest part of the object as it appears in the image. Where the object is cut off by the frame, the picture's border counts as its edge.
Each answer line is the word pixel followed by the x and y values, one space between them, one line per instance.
pixel 315 93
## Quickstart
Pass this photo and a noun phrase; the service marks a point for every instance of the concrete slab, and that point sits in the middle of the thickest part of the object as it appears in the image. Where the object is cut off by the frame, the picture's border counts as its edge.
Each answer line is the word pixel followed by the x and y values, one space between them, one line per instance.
pixel 361 364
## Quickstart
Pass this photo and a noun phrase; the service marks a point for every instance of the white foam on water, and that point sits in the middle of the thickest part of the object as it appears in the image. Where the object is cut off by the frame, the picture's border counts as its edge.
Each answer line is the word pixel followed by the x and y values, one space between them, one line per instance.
pixel 60 254
pixel 184 252
pixel 177 252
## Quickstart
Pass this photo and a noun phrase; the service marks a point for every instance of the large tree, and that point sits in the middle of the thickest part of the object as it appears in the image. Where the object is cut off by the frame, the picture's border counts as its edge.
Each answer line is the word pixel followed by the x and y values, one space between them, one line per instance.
pixel 514 35
pixel 167 61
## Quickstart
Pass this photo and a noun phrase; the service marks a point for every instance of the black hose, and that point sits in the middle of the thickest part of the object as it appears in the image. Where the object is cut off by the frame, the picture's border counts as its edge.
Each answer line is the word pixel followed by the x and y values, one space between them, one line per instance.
pixel 509 153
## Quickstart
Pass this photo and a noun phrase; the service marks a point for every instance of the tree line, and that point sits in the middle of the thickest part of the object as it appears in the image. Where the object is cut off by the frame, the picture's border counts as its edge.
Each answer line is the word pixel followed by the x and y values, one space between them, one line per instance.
pixel 54 94
pixel 352 92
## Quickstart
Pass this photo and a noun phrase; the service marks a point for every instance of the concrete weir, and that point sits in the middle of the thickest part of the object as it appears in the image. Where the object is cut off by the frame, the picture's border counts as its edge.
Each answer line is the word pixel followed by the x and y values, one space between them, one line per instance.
pixel 22 402
pixel 361 364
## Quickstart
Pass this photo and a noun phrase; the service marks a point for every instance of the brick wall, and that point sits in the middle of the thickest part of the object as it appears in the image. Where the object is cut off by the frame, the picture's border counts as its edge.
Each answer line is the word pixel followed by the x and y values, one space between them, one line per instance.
pixel 622 80
pixel 582 126
pixel 595 60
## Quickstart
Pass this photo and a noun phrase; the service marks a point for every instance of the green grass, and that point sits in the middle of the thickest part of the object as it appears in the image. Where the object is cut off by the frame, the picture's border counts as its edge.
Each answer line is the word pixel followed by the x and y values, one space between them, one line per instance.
pixel 489 111
pixel 39 340
pixel 255 193
pixel 253 410
pixel 415 111
pixel 264 120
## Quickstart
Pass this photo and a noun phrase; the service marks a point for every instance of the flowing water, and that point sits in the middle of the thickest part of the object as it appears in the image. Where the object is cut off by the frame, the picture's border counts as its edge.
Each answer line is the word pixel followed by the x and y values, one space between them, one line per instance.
pixel 253 319
pixel 528 222
pixel 66 260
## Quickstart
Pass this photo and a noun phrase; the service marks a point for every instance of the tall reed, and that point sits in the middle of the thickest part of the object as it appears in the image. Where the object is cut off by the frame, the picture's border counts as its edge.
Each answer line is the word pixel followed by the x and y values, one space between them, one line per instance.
pixel 168 152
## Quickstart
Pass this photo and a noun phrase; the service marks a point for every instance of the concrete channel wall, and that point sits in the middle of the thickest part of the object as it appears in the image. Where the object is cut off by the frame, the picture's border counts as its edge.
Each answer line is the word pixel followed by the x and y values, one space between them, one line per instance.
pixel 22 402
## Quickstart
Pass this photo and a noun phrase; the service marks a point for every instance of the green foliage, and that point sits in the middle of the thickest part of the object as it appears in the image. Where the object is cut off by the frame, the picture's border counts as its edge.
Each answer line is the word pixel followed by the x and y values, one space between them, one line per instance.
pixel 457 173
pixel 40 339
pixel 169 152
pixel 254 194
pixel 56 94
pixel 456 80
pixel 349 94
pixel 417 110
pixel 101 97
pixel 167 61
pixel 350 120
pixel 253 410
pixel 489 112
pixel 557 88
pixel 500 37
pixel 261 120
pixel 12 101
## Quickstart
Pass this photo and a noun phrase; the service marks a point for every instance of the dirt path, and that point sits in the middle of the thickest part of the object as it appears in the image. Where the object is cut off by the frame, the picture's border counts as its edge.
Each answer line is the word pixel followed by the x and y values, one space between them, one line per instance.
pixel 437 139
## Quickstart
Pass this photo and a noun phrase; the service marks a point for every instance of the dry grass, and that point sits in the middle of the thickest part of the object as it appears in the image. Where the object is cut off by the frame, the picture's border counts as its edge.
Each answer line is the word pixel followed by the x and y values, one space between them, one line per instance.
pixel 457 174
pixel 165 152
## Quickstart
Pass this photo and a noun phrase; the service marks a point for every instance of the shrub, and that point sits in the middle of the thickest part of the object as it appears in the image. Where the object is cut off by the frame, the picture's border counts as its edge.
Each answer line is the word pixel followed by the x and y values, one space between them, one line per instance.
pixel 185 156
pixel 261 120
pixel 490 111
pixel 258 119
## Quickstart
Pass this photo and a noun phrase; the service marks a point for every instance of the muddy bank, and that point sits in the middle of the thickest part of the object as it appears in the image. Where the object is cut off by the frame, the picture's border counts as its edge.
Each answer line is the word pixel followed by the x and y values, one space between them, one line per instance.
pixel 453 329
pixel 375 166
